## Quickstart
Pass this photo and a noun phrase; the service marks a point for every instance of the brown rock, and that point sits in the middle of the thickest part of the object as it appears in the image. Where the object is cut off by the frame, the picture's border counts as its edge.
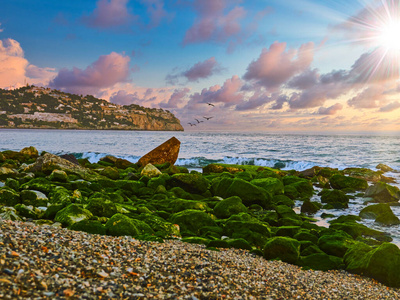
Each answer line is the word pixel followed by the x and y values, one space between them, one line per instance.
pixel 166 152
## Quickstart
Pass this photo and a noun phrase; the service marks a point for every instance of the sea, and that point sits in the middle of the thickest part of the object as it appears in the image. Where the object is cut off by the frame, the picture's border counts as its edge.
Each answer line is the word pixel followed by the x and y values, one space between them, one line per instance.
pixel 286 151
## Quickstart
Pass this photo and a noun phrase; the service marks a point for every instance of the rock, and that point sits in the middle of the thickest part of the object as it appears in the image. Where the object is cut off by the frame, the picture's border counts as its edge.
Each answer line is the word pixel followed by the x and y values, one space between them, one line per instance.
pixel 27 211
pixel 72 214
pixel 60 194
pixel 228 207
pixel 9 197
pixel 304 235
pixel 321 261
pixel 191 183
pixel 102 207
pixel 286 212
pixel 239 244
pixel 382 263
pixel 89 226
pixel 49 162
pixel 272 185
pixel 364 173
pixel 337 198
pixel 340 182
pixel 373 211
pixel 35 198
pixel 7 173
pixel 384 168
pixel 176 205
pixel 161 227
pixel 335 243
pixel 190 221
pixel 310 207
pixel 166 152
pixel 283 248
pixel 283 200
pixel 110 172
pixel 58 175
pixel 9 213
pixel 249 193
pixel 71 158
pixel 12 184
pixel 120 225
pixel 248 228
pixel 302 186
pixel 387 219
pixel 30 151
pixel 383 192
pixel 150 171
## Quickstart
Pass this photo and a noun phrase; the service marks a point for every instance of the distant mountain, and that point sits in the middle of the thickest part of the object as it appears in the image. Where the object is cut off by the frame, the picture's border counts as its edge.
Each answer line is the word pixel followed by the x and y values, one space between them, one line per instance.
pixel 38 107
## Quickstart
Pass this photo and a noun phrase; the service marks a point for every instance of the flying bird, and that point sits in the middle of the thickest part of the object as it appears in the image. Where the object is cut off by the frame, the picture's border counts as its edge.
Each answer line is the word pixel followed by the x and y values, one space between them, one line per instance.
pixel 192 124
pixel 207 118
pixel 198 121
pixel 210 104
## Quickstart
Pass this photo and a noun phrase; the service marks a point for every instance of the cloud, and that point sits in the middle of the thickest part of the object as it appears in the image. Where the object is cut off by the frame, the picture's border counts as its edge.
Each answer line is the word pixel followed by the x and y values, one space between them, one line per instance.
pixel 176 99
pixel 200 70
pixel 330 110
pixel 103 73
pixel 212 24
pixel 110 14
pixel 368 98
pixel 274 66
pixel 15 69
pixel 390 107
pixel 156 12
pixel 1 29
pixel 305 80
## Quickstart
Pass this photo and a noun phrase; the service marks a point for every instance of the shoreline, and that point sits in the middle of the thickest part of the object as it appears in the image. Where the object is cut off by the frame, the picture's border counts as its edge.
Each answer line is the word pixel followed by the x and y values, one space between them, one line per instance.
pixel 55 263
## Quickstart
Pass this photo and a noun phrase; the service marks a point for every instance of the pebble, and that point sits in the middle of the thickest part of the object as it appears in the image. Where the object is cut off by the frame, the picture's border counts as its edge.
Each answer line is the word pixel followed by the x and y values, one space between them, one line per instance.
pixel 77 265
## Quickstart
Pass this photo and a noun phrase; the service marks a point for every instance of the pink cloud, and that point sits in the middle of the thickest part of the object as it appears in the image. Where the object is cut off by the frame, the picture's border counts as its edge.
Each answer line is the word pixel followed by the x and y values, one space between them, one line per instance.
pixel 103 73
pixel 275 66
pixel 109 14
pixel 330 110
pixel 176 99
pixel 390 107
pixel 156 12
pixel 212 24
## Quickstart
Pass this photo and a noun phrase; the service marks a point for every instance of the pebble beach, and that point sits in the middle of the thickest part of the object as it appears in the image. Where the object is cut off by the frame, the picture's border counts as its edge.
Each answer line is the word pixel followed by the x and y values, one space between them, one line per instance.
pixel 48 262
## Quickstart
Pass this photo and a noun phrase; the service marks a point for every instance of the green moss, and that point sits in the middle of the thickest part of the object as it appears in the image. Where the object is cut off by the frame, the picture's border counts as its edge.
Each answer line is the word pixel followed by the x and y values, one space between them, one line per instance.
pixel 321 261
pixel 89 226
pixel 334 197
pixel 71 214
pixel 228 207
pixel 335 243
pixel 383 192
pixel 9 197
pixel 58 175
pixel 282 248
pixel 342 182
pixel 310 207
pixel 191 183
pixel 192 220
pixel 102 207
pixel 272 185
pixel 120 225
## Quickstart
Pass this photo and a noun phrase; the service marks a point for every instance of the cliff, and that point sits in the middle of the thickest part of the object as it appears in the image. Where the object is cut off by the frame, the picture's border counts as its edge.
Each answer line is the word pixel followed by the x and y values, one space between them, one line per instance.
pixel 37 107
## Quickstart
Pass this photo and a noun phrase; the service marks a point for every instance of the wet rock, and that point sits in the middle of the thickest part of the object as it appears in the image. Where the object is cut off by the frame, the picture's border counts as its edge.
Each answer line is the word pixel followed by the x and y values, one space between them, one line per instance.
pixel 228 207
pixel 30 151
pixel 101 207
pixel 346 182
pixel 191 183
pixel 110 172
pixel 58 175
pixel 35 198
pixel 336 198
pixel 7 173
pixel 384 168
pixel 383 192
pixel 373 211
pixel 72 214
pixel 166 152
pixel 150 171
pixel 283 248
pixel 272 185
pixel 321 261
pixel 120 225
pixel 161 227
pixel 71 158
pixel 310 207
pixel 9 197
pixel 335 243
pixel 191 221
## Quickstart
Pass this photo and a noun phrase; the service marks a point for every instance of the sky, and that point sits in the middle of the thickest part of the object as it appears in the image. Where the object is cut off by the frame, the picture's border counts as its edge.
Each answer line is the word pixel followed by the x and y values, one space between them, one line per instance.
pixel 258 65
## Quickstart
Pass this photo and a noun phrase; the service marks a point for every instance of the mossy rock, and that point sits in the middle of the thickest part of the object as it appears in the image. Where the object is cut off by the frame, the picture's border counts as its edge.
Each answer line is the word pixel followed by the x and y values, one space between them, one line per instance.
pixel 89 226
pixel 160 226
pixel 12 184
pixel 9 197
pixel 291 192
pixel 282 248
pixel 287 221
pixel 121 225
pixel 374 210
pixel 335 243
pixel 71 214
pixel 7 173
pixel 334 197
pixel 27 211
pixel 346 182
pixel 195 240
pixel 192 220
pixel 102 207
pixel 52 210
pixel 181 193
pixel 183 204
pixel 382 263
pixel 60 195
pixel 239 244
pixel 35 198
pixel 304 188
pixel 245 175
pixel 286 212
pixel 38 184
pixel 228 207
pixel 143 227
pixel 58 175
pixel 387 219
pixel 383 192
pixel 306 236
pixel 191 183
pixel 311 249
pixel 217 244
pixel 321 261
pixel 283 200
pixel 249 193
pixel 272 185
pixel 289 231
pixel 253 231
pixel 130 186
pixel 157 181
pixel 310 207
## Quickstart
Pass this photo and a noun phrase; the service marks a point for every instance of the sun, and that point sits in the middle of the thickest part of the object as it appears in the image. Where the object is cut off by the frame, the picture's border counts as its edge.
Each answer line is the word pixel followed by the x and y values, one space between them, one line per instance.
pixel 389 36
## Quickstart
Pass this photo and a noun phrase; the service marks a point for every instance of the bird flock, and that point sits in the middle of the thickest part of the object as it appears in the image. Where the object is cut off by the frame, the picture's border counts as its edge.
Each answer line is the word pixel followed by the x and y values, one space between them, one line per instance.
pixel 201 121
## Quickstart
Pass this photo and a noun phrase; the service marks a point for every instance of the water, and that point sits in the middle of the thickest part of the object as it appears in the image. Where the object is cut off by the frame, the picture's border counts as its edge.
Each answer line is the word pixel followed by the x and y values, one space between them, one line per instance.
pixel 287 151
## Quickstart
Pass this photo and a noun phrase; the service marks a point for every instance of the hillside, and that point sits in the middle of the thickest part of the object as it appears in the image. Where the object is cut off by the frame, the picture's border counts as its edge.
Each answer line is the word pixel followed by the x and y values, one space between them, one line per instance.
pixel 37 107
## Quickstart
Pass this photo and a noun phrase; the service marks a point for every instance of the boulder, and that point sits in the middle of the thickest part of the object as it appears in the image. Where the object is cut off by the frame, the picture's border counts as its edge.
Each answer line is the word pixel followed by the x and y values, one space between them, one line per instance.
pixel 71 158
pixel 102 207
pixel 9 197
pixel 283 248
pixel 335 243
pixel 35 198
pixel 71 214
pixel 340 182
pixel 120 225
pixel 166 152
pixel 310 207
pixel 110 172
pixel 387 219
pixel 60 194
pixel 30 151
pixel 253 231
pixel 161 227
pixel 7 173
pixel 374 210
pixel 89 226
pixel 9 213
pixel 190 221
pixel 150 171
pixel 336 198
pixel 191 183
pixel 321 261
pixel 228 207
pixel 58 175
pixel 382 263
pixel 249 193
pixel 384 168
pixel 272 185
pixel 49 162
pixel 383 192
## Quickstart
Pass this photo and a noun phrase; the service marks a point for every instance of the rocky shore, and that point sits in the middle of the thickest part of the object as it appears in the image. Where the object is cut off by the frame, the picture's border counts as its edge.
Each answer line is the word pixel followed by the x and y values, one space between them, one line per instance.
pixel 74 229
